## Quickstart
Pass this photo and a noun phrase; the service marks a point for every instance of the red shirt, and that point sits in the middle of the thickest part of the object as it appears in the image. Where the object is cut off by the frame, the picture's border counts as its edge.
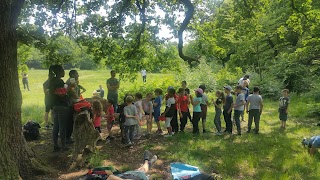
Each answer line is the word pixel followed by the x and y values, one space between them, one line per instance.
pixel 110 114
pixel 183 102
pixel 97 121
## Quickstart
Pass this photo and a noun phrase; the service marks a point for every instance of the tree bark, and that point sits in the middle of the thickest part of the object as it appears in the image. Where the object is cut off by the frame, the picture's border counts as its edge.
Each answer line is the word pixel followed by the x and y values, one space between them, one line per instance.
pixel 183 26
pixel 16 158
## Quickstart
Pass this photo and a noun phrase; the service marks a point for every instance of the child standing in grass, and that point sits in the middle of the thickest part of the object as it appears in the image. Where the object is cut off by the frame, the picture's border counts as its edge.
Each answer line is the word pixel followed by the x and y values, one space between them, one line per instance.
pixel 97 113
pixel 204 107
pixel 255 109
pixel 183 102
pixel 169 111
pixel 239 107
pixel 227 109
pixel 148 109
pixel 138 104
pixel 217 105
pixel 156 109
pixel 196 102
pixel 283 108
pixel 131 114
pixel 110 118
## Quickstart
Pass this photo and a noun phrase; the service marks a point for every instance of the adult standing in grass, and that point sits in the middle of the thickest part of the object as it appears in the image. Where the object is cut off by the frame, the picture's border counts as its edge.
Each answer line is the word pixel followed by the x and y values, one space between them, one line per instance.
pixel 113 85
pixel 312 144
pixel 144 75
pixel 244 78
pixel 227 109
pixel 60 106
pixel 47 101
pixel 25 81
pixel 254 107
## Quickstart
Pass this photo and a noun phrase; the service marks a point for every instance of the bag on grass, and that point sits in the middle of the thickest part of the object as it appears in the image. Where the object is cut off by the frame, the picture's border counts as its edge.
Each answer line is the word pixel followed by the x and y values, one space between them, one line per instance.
pixel 99 173
pixel 31 130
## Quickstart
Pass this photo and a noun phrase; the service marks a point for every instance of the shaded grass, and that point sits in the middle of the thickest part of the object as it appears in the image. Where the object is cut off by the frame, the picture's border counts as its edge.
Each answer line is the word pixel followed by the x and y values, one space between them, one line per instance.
pixel 273 154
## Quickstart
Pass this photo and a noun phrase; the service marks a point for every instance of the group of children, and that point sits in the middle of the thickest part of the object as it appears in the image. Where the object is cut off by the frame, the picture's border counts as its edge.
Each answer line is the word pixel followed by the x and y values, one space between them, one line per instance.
pixel 135 110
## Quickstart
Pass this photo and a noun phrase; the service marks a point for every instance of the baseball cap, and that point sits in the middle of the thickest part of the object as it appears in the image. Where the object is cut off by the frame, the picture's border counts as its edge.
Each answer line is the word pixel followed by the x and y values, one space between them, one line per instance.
pixel 228 87
pixel 170 87
pixel 199 90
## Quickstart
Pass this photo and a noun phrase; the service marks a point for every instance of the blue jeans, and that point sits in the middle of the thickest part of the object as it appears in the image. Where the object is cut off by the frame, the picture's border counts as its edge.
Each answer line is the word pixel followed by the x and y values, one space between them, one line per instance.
pixel 60 119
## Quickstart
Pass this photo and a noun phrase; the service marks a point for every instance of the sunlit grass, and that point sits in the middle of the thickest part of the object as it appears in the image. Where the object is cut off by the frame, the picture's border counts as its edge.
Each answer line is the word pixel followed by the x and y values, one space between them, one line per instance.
pixel 273 154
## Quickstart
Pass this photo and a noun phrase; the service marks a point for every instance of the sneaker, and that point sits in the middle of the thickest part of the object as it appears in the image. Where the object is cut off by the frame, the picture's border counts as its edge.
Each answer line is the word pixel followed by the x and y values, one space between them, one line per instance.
pixel 167 135
pixel 153 160
pixel 218 133
pixel 137 137
pixel 129 144
pixel 147 155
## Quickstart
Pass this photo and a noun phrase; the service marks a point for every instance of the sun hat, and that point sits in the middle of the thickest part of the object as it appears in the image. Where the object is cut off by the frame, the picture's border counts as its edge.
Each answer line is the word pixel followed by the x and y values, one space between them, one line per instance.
pixel 228 87
pixel 199 90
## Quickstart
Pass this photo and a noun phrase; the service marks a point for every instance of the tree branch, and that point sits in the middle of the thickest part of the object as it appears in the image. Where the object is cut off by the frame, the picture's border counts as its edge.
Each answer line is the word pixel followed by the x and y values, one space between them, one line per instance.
pixel 296 9
pixel 183 26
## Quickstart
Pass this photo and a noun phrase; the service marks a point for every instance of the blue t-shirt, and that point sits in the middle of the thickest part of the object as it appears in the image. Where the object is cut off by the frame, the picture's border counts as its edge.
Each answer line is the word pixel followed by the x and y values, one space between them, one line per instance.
pixel 158 100
pixel 315 141
pixel 197 108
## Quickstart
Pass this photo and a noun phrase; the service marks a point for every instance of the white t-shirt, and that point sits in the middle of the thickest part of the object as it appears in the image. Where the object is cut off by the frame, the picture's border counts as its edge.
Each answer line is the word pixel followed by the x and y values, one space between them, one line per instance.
pixel 240 82
pixel 170 101
pixel 144 72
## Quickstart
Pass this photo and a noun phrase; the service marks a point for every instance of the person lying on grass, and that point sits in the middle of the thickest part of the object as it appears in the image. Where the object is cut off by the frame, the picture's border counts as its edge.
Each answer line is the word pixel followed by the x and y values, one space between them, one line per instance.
pixel 139 174
pixel 312 144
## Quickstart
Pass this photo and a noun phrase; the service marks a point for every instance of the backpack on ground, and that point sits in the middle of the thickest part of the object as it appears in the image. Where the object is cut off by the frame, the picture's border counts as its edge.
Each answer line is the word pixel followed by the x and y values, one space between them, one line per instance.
pixel 31 130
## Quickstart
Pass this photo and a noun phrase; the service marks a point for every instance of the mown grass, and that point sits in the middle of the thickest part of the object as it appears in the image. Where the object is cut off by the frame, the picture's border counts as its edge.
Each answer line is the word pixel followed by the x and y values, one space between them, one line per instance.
pixel 273 154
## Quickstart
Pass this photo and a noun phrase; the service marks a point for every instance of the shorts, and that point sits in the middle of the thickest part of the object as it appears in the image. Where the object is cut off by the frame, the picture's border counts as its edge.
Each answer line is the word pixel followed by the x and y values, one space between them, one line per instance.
pixel 156 116
pixel 168 121
pixel 283 116
pixel 110 124
pixel 134 175
pixel 204 109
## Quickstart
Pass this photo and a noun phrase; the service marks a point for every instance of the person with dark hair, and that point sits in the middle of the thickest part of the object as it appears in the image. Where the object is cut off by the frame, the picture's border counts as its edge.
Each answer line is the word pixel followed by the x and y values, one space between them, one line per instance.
pixel 113 86
pixel 255 109
pixel 283 108
pixel 187 91
pixel 204 107
pixel 313 143
pixel 25 81
pixel 196 102
pixel 157 109
pixel 110 119
pixel 169 111
pixel 47 102
pixel 239 107
pixel 217 105
pixel 227 109
pixel 60 106
pixel 183 102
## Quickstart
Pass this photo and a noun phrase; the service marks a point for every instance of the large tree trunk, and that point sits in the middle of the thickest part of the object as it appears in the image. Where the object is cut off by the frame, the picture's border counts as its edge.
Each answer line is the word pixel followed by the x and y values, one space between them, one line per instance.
pixel 16 158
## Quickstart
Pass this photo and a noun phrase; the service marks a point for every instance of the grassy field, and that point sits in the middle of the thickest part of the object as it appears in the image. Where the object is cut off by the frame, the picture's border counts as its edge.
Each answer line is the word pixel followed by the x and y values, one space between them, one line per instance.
pixel 273 154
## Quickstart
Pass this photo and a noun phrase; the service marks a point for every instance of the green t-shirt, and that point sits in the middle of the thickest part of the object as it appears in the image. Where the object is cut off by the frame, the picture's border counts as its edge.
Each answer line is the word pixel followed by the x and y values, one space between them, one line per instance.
pixel 112 82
